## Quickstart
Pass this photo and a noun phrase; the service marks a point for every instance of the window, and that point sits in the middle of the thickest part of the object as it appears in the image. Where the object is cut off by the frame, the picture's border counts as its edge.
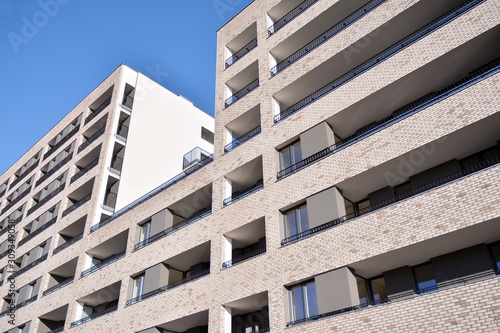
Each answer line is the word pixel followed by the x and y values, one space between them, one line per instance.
pixel 296 220
pixel 290 155
pixel 362 290
pixel 145 231
pixel 424 277
pixel 495 251
pixel 303 301
pixel 138 285
pixel 377 288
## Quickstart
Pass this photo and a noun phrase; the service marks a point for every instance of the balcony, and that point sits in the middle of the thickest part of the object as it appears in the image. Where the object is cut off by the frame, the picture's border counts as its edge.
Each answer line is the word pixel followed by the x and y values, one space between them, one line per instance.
pixel 242 139
pixel 53 321
pixel 325 36
pixel 245 242
pixel 54 169
pixel 241 93
pixel 288 17
pixel 377 59
pixel 91 139
pixel 23 175
pixel 477 167
pixel 58 286
pixel 84 170
pixel 243 181
pixel 30 266
pixel 195 156
pixel 241 52
pixel 397 116
pixel 196 322
pixel 16 200
pixel 249 314
pixel 244 193
pixel 109 307
pixel 106 253
pixel 38 231
pixel 94 113
pixel 61 142
pixel 106 262
pixel 77 204
pixel 244 257
pixel 26 302
pixel 68 243
pixel 46 199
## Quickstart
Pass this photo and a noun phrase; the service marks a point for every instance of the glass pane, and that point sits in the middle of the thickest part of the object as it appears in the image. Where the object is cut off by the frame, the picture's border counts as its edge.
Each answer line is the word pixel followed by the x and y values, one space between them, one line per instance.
pixel 297 303
pixel 495 249
pixel 312 300
pixel 425 277
pixel 363 206
pixel 297 153
pixel 304 219
pixel 286 158
pixel 291 224
pixel 362 292
pixel 378 289
pixel 349 207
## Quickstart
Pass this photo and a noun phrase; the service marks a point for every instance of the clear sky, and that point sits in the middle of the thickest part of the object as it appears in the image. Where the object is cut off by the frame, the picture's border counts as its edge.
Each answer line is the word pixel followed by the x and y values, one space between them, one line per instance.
pixel 55 52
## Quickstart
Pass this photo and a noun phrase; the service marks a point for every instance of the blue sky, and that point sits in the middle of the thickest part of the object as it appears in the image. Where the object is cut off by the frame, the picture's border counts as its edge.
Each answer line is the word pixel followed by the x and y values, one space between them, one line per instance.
pixel 55 52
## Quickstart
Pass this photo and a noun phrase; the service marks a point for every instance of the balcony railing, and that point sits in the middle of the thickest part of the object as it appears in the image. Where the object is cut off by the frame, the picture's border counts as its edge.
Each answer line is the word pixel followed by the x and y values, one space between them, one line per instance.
pixel 399 197
pixel 67 244
pixel 46 199
pixel 16 200
pixel 59 286
pixel 288 17
pixel 111 307
pixel 16 221
pixel 76 205
pixel 168 287
pixel 152 193
pixel 26 302
pixel 244 257
pixel 108 261
pixel 398 115
pixel 37 231
pixel 327 35
pixel 245 90
pixel 91 139
pixel 196 217
pixel 24 174
pixel 240 53
pixel 194 156
pixel 242 139
pixel 84 170
pixel 244 193
pixel 382 56
pixel 54 169
pixel 409 295
pixel 62 141
pixel 30 266
pixel 97 111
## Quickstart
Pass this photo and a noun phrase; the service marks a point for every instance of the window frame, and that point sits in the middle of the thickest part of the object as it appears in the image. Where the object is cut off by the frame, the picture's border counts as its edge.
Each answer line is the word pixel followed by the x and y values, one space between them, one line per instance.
pixel 291 147
pixel 306 300
pixel 298 221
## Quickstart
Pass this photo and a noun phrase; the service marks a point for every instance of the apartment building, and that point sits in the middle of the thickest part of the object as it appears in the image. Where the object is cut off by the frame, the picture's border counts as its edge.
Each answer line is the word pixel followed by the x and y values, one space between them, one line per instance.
pixel 353 187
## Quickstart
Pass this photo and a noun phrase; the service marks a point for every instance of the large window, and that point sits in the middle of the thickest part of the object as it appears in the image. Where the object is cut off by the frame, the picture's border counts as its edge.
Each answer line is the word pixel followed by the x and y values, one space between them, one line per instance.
pixel 424 277
pixel 303 301
pixel 296 220
pixel 290 155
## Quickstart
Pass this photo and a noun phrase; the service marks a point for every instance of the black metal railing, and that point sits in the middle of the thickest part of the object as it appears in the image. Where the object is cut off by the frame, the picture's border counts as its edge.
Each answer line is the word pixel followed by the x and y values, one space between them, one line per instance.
pixel 29 266
pixel 23 175
pixel 382 56
pixel 97 111
pixel 67 244
pixel 37 231
pixel 113 306
pixel 244 193
pixel 58 286
pixel 399 197
pixel 245 90
pixel 237 259
pixel 46 199
pixel 242 139
pixel 54 169
pixel 77 204
pixel 326 36
pixel 16 200
pixel 62 141
pixel 168 287
pixel 196 217
pixel 241 52
pixel 26 302
pixel 288 17
pixel 152 193
pixel 400 297
pixel 91 139
pixel 398 115
pixel 108 261
pixel 10 225
pixel 84 170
